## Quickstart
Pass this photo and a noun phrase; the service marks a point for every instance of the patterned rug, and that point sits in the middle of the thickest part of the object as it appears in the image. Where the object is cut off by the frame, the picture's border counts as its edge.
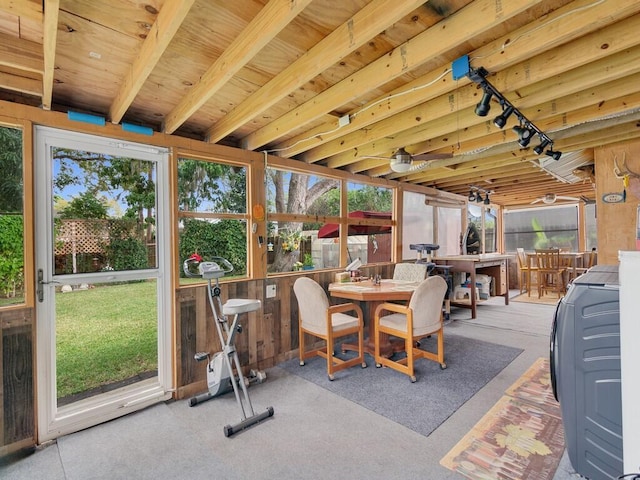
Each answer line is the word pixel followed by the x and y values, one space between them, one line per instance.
pixel 521 437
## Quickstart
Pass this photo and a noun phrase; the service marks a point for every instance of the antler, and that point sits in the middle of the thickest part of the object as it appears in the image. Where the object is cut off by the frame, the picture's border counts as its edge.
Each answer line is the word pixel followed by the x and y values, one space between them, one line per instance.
pixel 624 171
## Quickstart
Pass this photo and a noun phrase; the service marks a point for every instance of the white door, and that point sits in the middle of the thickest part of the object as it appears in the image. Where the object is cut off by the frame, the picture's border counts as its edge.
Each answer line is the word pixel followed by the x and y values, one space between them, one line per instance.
pixel 104 276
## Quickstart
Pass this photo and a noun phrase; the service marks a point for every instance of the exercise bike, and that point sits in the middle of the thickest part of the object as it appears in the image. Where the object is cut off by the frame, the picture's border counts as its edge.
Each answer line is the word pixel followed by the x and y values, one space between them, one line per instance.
pixel 220 375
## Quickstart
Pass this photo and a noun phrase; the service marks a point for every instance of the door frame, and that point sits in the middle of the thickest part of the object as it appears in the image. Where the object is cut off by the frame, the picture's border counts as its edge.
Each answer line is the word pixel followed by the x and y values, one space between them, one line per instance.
pixel 54 421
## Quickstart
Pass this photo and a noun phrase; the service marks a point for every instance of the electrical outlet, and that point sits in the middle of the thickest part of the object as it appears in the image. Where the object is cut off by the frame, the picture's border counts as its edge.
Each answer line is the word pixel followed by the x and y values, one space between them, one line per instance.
pixel 271 291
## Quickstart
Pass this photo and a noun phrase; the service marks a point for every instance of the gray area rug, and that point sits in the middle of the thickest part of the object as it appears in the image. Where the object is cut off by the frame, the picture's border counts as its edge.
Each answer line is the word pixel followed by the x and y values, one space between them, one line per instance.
pixel 420 406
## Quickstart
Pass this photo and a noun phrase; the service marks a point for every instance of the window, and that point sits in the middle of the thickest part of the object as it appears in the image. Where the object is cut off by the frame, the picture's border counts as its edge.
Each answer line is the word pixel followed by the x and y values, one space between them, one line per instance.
pixel 449 231
pixel 212 212
pixel 417 223
pixel 547 227
pixel 11 218
pixel 591 227
pixel 303 210
pixel 371 233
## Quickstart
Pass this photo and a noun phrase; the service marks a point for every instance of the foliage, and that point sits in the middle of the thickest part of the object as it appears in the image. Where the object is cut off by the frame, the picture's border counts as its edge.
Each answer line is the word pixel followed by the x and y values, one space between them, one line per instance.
pixel 222 186
pixel 127 254
pixel 541 237
pixel 123 178
pixel 11 182
pixel 224 238
pixel 11 254
pixel 308 260
pixel 85 205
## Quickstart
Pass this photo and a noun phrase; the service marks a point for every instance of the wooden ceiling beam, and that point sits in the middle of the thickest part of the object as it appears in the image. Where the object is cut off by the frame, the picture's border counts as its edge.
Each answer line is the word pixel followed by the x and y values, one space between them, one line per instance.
pixel 271 20
pixel 475 139
pixel 413 125
pixel 474 133
pixel 467 23
pixel 21 54
pixel 49 42
pixel 24 8
pixel 579 137
pixel 364 25
pixel 16 83
pixel 167 23
pixel 531 39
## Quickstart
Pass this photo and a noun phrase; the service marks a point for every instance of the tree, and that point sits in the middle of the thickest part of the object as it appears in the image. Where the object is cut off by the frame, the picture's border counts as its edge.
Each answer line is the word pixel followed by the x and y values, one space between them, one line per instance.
pixel 86 206
pixel 11 183
pixel 296 195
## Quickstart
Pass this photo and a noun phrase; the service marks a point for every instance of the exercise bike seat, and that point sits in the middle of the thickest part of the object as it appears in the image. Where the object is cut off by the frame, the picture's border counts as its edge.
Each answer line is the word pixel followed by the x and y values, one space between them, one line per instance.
pixel 235 306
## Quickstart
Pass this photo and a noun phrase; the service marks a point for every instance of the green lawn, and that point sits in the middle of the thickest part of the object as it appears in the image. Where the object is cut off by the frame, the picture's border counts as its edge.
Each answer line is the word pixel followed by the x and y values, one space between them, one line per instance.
pixel 105 335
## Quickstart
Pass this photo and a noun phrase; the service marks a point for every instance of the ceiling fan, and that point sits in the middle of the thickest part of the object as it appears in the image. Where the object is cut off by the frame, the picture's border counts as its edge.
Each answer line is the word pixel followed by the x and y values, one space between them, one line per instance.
pixel 549 198
pixel 402 161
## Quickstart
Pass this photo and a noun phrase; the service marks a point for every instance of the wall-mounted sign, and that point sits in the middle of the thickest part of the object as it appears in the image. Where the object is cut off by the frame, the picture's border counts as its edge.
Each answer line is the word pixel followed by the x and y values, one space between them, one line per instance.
pixel 614 197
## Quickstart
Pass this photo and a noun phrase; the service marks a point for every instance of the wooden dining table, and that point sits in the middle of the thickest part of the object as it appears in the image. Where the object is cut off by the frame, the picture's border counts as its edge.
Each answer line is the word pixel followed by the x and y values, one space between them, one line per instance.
pixel 571 260
pixel 373 295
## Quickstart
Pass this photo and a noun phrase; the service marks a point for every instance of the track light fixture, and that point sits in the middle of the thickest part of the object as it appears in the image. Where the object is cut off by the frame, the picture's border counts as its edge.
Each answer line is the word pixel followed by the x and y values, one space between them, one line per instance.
pixel 475 195
pixel 501 120
pixel 483 107
pixel 540 148
pixel 524 134
pixel 525 131
pixel 554 154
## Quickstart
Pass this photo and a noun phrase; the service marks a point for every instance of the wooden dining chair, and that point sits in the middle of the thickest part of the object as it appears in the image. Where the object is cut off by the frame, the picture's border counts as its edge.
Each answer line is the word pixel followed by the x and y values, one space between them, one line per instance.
pixel 590 263
pixel 526 269
pixel 421 317
pixel 551 273
pixel 327 322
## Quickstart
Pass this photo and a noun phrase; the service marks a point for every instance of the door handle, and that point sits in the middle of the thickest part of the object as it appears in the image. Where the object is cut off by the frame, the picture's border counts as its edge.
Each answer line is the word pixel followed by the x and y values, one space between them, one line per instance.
pixel 41 284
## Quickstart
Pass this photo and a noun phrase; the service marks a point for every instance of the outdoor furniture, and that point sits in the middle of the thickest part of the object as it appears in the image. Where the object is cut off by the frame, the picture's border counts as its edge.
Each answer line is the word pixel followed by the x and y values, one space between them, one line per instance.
pixel 421 317
pixel 551 272
pixel 410 272
pixel 525 270
pixel 373 295
pixel 328 322
pixel 590 263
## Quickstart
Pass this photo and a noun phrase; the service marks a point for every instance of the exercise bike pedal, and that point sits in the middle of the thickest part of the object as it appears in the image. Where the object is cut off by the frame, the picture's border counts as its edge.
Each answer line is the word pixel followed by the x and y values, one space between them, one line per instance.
pixel 200 356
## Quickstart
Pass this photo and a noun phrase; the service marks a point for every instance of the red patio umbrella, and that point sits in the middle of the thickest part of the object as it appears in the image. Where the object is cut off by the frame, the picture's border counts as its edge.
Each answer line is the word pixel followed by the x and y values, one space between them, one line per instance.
pixel 332 230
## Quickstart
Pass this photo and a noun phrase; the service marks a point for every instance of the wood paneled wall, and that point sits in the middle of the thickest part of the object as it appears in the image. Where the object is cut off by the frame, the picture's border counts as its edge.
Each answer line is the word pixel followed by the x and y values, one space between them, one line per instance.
pixel 17 422
pixel 617 222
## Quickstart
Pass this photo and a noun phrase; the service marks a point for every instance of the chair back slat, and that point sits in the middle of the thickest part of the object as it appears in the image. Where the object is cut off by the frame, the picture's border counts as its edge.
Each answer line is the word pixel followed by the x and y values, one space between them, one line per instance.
pixel 522 258
pixel 548 259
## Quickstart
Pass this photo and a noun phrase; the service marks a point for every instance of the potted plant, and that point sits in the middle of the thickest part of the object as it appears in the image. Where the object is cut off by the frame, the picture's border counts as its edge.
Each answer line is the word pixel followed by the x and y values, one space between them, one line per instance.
pixel 307 264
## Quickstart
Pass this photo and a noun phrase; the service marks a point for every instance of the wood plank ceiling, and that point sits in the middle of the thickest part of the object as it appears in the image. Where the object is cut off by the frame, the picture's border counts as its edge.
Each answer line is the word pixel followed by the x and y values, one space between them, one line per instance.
pixel 337 83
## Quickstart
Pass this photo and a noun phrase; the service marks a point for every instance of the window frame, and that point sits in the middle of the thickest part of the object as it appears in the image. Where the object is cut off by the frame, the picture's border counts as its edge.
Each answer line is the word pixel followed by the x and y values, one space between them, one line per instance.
pixel 180 214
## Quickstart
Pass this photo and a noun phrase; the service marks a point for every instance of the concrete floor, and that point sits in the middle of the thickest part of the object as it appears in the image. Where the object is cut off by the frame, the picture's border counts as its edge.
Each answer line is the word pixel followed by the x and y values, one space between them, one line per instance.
pixel 314 433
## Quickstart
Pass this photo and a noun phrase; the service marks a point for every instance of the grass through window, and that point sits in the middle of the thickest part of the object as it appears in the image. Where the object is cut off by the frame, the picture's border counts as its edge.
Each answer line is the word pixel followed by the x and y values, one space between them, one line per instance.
pixel 105 335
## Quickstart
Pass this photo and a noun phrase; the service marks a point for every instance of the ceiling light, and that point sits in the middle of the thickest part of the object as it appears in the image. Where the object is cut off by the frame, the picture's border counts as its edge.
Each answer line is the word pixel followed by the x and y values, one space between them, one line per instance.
pixel 478 198
pixel 486 200
pixel 483 107
pixel 540 148
pixel 501 120
pixel 472 196
pixel 401 165
pixel 524 135
pixel 554 154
